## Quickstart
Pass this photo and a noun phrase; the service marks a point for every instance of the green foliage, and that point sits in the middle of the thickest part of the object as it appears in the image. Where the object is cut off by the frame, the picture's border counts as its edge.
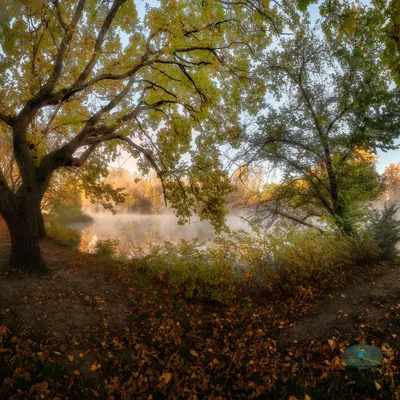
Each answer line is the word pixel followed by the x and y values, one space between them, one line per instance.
pixel 254 265
pixel 62 235
pixel 69 214
pixel 174 84
pixel 385 228
pixel 335 110
pixel 190 271
pixel 107 248
pixel 377 22
pixel 286 260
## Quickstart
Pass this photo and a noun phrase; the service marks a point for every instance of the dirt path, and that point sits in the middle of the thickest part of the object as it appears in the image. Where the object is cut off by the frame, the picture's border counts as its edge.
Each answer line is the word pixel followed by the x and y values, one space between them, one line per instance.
pixel 73 296
pixel 365 301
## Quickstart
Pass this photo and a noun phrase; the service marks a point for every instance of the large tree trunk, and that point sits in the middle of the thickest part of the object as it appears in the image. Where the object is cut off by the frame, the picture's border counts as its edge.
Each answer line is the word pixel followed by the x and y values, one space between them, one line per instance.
pixel 22 224
pixel 42 234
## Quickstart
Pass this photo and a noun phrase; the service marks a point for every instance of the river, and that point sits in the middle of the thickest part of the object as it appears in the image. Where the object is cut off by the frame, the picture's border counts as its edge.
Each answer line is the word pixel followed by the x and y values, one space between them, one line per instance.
pixel 146 229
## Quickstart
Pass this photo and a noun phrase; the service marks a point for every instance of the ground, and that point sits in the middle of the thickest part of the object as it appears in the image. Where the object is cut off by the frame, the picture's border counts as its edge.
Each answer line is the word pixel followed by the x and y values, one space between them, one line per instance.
pixel 94 329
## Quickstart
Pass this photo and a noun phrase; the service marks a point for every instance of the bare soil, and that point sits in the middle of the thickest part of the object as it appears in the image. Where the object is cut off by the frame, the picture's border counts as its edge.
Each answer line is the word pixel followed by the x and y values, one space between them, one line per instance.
pixel 75 295
pixel 365 300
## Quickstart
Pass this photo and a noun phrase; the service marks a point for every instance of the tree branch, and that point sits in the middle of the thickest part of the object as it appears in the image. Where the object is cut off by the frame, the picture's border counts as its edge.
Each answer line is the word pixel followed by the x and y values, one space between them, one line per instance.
pixel 99 41
pixel 8 119
pixel 62 52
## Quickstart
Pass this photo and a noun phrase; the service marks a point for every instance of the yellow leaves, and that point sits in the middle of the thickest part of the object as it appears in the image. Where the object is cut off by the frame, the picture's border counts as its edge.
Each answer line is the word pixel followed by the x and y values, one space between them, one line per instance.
pixel 93 300
pixel 365 156
pixel 387 349
pixel 4 331
pixel 165 377
pixel 41 388
pixel 77 373
pixel 95 366
pixel 377 385
pixel 332 344
pixel 337 363
pixel 213 362
pixel 194 353
pixel 70 358
pixel 80 355
pixel 113 383
pixel 306 397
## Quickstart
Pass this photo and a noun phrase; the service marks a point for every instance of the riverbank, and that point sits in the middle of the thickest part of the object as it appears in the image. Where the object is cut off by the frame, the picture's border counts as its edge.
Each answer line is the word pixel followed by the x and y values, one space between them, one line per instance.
pixel 94 329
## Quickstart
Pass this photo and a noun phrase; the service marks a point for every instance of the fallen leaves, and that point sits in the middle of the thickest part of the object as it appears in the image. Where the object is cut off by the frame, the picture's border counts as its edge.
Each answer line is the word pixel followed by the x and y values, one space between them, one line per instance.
pixel 165 350
pixel 165 377
pixel 332 344
pixel 95 366
pixel 4 332
pixel 93 300
pixel 194 353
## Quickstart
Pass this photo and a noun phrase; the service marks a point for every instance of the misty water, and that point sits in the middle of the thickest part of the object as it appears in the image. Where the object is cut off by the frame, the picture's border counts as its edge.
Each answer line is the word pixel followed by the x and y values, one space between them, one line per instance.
pixel 143 230
pixel 139 229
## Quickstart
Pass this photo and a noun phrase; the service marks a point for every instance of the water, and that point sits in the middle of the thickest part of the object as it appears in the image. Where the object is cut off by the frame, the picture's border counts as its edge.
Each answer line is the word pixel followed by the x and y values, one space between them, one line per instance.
pixel 147 229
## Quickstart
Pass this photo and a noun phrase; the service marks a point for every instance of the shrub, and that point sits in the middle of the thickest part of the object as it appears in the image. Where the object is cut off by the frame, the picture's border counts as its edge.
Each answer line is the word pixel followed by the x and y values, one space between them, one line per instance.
pixel 65 214
pixel 189 270
pixel 385 230
pixel 364 248
pixel 107 248
pixel 244 264
pixel 62 235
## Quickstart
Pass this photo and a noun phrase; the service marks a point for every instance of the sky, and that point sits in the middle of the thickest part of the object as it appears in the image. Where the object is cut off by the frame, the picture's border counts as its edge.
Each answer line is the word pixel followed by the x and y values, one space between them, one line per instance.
pixel 129 163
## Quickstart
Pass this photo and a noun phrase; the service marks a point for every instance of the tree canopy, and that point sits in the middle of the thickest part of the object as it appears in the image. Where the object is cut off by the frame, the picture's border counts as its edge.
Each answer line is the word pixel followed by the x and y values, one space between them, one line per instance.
pixel 79 77
pixel 333 108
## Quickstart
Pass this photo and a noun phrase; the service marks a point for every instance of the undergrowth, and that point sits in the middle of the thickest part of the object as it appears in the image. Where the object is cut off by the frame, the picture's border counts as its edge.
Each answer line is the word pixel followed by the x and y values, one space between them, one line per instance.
pixel 253 265
pixel 62 235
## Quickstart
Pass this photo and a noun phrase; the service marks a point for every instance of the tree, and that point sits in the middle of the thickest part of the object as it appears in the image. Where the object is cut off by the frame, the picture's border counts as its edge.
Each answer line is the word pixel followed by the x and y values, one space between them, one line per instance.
pixel 79 77
pixel 142 194
pixel 335 109
pixel 247 183
pixel 379 20
pixel 392 180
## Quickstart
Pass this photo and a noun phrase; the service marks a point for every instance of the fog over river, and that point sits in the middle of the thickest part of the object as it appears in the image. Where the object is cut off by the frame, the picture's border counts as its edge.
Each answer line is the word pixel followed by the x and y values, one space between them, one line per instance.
pixel 136 229
pixel 145 229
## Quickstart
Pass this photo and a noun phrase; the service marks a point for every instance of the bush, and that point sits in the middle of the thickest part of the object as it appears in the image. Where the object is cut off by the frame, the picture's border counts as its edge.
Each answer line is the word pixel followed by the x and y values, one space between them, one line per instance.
pixel 280 262
pixel 65 214
pixel 250 265
pixel 190 270
pixel 107 248
pixel 385 230
pixel 62 235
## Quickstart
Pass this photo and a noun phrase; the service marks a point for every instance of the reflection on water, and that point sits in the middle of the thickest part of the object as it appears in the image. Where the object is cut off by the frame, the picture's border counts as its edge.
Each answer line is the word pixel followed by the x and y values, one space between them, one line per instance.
pixel 146 229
